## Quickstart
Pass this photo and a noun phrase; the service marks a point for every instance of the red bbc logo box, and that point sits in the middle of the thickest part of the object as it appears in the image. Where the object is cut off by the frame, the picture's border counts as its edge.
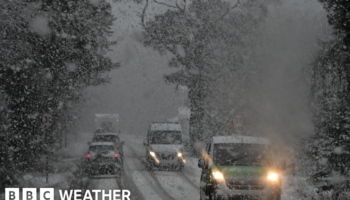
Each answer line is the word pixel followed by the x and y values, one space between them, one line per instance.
pixel 29 194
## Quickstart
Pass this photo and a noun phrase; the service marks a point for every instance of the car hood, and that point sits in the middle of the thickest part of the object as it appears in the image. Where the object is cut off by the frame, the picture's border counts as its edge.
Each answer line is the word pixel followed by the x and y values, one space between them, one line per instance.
pixel 169 148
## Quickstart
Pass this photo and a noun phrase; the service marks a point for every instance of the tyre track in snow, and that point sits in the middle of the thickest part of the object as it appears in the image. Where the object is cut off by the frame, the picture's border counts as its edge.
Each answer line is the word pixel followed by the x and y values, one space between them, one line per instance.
pixel 149 176
pixel 181 175
pixel 128 183
pixel 185 178
pixel 104 184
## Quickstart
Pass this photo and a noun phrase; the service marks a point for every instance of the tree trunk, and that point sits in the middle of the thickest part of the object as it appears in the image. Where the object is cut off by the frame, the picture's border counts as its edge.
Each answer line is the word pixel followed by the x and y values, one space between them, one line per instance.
pixel 196 96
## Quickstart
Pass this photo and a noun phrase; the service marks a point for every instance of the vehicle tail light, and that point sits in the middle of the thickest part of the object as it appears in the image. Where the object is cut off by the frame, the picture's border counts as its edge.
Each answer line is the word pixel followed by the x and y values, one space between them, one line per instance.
pixel 88 156
pixel 116 155
pixel 117 146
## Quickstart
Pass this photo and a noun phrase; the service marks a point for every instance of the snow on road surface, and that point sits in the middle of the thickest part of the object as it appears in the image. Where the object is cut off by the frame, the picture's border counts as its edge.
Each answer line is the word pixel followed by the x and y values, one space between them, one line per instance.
pixel 105 184
pixel 159 184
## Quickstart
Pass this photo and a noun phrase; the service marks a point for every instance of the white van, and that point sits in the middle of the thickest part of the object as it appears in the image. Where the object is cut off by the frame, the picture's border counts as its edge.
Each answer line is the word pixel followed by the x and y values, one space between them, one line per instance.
pixel 164 148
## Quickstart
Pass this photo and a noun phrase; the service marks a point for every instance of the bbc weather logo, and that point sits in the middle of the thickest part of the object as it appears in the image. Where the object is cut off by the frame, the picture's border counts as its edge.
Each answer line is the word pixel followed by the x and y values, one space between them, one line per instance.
pixel 49 194
pixel 29 194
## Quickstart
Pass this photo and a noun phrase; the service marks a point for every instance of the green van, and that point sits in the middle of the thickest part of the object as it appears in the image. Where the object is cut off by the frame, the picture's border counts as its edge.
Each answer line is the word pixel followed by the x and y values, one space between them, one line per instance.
pixel 239 167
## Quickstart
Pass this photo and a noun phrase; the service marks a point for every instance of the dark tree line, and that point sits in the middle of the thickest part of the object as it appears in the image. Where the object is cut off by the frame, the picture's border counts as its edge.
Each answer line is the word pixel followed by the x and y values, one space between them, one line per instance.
pixel 330 101
pixel 206 40
pixel 49 52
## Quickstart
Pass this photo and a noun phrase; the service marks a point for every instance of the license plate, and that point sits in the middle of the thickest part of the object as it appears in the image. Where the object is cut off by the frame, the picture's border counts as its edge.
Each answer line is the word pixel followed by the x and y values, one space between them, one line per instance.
pixel 102 159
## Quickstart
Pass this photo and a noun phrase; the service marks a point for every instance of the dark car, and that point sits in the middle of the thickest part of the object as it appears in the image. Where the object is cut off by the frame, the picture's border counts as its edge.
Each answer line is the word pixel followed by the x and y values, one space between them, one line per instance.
pixel 104 160
pixel 110 137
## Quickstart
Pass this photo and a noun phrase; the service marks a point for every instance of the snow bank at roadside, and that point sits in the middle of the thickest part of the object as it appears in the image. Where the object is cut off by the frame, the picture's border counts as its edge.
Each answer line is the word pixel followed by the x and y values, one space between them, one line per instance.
pixel 65 171
pixel 77 149
pixel 296 187
pixel 56 180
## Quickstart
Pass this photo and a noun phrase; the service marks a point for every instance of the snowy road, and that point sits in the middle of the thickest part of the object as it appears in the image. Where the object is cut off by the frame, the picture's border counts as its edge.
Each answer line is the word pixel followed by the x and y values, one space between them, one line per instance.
pixel 105 184
pixel 159 184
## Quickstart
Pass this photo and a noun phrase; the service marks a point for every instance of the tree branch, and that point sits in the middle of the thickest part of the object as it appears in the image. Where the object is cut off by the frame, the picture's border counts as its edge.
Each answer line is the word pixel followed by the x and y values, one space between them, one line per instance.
pixel 171 6
pixel 143 16
pixel 165 4
pixel 178 56
pixel 177 5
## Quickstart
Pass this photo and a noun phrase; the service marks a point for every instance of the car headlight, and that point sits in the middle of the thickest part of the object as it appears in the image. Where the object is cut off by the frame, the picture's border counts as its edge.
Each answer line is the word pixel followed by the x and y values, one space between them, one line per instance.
pixel 272 177
pixel 218 176
pixel 179 154
pixel 152 153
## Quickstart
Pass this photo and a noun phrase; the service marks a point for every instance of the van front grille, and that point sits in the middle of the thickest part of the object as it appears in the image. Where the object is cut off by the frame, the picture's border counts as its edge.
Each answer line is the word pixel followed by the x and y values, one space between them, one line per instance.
pixel 163 156
pixel 246 187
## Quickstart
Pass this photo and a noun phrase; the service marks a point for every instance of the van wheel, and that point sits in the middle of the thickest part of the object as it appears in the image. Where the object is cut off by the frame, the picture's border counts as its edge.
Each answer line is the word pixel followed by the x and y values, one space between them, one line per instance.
pixel 212 196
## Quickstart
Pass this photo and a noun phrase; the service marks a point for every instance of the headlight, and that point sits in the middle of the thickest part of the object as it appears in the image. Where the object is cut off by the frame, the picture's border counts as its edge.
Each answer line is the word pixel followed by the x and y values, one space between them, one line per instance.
pixel 218 176
pixel 272 176
pixel 152 153
pixel 179 154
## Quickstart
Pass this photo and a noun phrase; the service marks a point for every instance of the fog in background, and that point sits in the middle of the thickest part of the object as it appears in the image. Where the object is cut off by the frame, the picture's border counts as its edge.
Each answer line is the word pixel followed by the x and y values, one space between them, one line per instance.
pixel 289 41
pixel 138 93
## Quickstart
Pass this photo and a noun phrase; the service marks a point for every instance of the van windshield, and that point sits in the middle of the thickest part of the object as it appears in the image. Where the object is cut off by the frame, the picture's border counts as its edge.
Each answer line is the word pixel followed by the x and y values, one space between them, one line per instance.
pixel 165 137
pixel 242 155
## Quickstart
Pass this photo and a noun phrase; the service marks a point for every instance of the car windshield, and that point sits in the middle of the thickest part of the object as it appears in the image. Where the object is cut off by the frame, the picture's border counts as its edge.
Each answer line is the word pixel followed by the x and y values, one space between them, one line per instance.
pixel 99 148
pixel 241 154
pixel 165 137
pixel 105 138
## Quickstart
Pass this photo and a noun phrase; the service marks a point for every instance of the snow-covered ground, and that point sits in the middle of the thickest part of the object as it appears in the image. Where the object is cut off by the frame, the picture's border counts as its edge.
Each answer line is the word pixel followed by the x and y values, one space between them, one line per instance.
pixel 159 184
pixel 164 184
pixel 181 185
pixel 146 185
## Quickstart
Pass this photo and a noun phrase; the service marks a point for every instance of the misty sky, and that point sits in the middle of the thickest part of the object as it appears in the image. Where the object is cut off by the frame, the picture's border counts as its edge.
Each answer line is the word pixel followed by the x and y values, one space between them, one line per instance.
pixel 138 93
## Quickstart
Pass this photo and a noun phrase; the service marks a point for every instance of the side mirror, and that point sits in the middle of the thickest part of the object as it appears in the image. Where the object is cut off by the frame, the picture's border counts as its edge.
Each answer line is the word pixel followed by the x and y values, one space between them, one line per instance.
pixel 202 164
pixel 144 142
pixel 123 142
pixel 89 143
